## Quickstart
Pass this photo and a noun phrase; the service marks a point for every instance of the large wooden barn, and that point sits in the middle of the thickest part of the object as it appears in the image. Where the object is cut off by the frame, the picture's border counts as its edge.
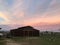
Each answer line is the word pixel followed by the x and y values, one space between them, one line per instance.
pixel 25 31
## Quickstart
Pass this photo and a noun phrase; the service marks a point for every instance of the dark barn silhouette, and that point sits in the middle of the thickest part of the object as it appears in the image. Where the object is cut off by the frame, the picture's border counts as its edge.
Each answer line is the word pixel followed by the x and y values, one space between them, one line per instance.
pixel 25 31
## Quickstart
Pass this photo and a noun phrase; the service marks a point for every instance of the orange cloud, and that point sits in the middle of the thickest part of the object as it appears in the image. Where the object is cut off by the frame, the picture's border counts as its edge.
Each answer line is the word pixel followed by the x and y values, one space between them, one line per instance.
pixel 50 20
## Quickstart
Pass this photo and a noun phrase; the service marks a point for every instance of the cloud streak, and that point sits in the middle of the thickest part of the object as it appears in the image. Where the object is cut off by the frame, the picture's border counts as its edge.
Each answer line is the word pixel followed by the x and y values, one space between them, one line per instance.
pixel 49 15
pixel 30 11
pixel 15 10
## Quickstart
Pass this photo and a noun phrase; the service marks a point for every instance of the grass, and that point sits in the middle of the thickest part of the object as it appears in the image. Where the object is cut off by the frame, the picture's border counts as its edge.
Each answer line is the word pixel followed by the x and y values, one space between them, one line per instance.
pixel 42 40
pixel 2 41
pixel 49 40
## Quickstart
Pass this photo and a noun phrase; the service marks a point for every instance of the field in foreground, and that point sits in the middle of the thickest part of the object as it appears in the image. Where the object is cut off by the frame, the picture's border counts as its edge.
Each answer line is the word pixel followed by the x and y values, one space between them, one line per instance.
pixel 43 40
pixel 2 41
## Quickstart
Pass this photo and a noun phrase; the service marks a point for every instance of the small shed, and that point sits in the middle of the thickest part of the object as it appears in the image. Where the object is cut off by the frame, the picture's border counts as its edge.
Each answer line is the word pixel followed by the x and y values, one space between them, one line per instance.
pixel 25 31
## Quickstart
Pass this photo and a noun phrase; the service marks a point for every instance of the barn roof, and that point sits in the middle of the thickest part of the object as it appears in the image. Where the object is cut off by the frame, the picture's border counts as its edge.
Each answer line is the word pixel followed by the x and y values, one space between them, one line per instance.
pixel 25 28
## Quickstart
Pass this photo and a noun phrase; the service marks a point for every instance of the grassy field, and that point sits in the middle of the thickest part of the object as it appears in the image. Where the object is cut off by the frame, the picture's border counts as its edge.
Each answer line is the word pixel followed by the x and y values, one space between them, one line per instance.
pixel 2 41
pixel 42 40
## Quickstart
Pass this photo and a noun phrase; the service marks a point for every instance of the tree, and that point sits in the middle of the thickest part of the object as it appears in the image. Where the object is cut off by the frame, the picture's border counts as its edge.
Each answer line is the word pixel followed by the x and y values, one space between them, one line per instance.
pixel 0 28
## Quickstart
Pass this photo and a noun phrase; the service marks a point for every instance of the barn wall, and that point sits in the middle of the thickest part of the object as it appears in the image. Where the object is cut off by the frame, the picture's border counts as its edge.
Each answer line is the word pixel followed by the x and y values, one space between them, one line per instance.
pixel 24 33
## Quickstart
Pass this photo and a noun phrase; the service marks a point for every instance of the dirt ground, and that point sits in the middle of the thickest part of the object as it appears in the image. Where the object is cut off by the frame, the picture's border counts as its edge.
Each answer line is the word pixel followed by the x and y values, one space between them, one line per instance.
pixel 11 42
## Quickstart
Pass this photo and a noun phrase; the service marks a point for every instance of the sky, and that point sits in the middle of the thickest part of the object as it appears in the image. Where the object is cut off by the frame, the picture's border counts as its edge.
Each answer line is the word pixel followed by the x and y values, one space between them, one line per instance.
pixel 29 12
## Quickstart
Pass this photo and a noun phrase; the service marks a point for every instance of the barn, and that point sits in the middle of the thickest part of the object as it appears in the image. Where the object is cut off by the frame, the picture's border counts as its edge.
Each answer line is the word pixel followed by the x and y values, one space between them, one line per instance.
pixel 25 31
